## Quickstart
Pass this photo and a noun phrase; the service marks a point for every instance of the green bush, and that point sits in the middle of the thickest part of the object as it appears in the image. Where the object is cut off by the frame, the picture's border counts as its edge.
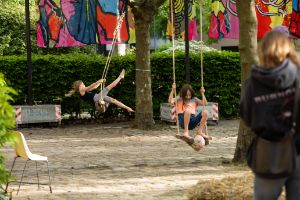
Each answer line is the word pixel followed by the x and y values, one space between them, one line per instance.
pixel 7 123
pixel 53 76
pixel 221 78
pixel 13 31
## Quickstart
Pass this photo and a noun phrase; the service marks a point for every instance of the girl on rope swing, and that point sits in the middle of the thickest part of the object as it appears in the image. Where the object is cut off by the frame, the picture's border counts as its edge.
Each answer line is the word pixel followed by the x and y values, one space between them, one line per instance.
pixel 187 104
pixel 87 94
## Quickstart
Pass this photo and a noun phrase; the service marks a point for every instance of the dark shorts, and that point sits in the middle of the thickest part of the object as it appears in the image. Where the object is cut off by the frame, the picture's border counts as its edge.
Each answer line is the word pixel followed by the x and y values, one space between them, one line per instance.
pixel 103 93
pixel 194 120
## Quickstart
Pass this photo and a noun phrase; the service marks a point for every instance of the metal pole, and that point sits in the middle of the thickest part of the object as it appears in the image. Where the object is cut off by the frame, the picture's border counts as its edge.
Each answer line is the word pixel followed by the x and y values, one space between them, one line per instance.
pixel 186 38
pixel 154 33
pixel 28 48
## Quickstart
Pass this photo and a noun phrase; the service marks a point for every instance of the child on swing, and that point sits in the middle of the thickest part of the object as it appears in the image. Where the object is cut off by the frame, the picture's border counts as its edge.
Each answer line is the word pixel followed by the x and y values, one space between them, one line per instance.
pixel 187 104
pixel 87 94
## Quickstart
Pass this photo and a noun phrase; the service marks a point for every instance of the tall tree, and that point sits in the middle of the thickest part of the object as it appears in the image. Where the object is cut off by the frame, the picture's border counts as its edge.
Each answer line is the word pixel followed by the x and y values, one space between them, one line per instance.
pixel 248 53
pixel 143 11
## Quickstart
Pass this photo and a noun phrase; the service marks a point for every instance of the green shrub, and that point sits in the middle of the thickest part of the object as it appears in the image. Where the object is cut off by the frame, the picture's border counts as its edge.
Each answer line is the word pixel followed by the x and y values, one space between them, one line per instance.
pixel 53 76
pixel 221 76
pixel 7 123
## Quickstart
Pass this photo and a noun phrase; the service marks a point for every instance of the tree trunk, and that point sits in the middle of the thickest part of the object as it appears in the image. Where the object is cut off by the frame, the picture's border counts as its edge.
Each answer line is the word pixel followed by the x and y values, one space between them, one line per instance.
pixel 248 55
pixel 144 107
pixel 143 11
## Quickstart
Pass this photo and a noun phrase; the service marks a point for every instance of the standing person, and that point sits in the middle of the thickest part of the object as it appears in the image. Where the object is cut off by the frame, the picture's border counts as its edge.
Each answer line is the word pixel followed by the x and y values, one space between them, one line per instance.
pixel 187 104
pixel 87 94
pixel 266 106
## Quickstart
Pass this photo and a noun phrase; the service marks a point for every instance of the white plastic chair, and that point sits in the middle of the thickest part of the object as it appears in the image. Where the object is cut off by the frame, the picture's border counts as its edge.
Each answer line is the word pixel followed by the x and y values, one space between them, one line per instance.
pixel 22 151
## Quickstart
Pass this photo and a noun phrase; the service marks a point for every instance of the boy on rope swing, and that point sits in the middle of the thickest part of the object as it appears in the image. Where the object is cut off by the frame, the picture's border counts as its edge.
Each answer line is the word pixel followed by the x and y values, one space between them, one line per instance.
pixel 94 98
pixel 187 104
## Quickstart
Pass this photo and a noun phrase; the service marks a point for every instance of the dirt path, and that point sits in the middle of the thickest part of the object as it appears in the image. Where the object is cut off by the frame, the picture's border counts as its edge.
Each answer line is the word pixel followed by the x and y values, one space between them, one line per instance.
pixel 108 162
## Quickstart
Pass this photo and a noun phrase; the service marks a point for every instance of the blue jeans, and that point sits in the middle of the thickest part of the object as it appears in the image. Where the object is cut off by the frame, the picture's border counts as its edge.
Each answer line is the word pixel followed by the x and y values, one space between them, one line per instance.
pixel 270 189
pixel 194 120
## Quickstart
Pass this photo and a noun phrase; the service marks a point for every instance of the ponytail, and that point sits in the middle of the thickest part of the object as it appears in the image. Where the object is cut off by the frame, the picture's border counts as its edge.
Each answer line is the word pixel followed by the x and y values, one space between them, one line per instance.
pixel 75 88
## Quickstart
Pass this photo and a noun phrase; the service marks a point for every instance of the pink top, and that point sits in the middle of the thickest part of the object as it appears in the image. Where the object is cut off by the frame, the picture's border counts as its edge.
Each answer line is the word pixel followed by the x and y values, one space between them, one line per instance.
pixel 190 105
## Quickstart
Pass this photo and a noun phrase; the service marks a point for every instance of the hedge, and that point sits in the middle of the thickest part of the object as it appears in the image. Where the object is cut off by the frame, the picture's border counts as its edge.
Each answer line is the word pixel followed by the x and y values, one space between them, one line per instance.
pixel 53 76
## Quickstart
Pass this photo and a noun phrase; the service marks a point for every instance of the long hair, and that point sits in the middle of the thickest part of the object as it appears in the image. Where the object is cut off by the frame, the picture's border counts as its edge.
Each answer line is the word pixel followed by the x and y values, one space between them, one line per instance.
pixel 275 48
pixel 75 88
pixel 185 88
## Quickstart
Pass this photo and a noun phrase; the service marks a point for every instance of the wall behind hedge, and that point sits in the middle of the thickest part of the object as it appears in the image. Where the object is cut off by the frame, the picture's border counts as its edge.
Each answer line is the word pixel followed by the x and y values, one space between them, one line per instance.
pixel 53 76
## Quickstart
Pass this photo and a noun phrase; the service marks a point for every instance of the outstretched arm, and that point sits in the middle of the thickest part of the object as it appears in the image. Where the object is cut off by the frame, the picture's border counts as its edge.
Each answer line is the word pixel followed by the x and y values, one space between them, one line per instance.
pixel 94 85
pixel 171 95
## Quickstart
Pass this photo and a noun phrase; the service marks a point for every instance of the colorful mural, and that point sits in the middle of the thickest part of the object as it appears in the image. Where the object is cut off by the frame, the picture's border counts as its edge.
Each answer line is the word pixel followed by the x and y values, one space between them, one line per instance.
pixel 178 13
pixel 270 13
pixel 223 20
pixel 67 23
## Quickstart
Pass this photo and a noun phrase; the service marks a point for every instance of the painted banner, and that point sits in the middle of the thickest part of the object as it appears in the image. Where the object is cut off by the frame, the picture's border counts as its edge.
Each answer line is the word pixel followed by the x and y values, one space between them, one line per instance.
pixel 223 20
pixel 178 14
pixel 270 13
pixel 68 23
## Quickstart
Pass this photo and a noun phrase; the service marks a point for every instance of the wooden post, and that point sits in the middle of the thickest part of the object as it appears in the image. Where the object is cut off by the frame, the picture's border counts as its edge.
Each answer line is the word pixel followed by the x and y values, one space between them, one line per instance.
pixel 186 38
pixel 28 48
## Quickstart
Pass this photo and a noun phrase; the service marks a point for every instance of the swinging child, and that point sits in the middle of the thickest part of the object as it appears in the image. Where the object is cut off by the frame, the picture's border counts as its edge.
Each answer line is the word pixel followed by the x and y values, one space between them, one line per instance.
pixel 100 100
pixel 187 104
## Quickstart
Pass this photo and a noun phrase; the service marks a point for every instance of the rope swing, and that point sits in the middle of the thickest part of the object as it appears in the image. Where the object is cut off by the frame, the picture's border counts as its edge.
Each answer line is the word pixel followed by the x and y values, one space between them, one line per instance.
pixel 201 59
pixel 173 61
pixel 196 145
pixel 107 64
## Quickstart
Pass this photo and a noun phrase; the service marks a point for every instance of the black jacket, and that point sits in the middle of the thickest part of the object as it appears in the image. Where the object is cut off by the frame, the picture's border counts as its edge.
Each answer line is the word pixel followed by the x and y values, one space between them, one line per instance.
pixel 267 101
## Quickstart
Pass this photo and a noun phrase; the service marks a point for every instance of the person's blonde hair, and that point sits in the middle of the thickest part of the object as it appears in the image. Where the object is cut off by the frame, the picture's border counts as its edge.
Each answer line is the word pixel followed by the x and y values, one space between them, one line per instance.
pixel 274 48
pixel 75 88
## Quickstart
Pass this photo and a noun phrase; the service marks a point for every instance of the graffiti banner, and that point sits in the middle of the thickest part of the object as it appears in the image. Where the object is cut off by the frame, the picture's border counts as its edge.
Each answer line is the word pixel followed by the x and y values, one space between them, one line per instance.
pixel 223 19
pixel 178 15
pixel 68 23
pixel 270 13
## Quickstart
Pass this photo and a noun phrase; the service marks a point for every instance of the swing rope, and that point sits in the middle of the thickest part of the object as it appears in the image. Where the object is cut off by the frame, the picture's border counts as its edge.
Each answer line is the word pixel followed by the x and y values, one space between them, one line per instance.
pixel 116 31
pixel 107 64
pixel 173 60
pixel 201 60
pixel 201 40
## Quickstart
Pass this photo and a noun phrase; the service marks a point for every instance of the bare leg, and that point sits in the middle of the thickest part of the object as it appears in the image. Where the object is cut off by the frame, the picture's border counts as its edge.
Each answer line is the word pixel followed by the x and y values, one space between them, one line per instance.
pixel 117 80
pixel 203 124
pixel 121 105
pixel 186 122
